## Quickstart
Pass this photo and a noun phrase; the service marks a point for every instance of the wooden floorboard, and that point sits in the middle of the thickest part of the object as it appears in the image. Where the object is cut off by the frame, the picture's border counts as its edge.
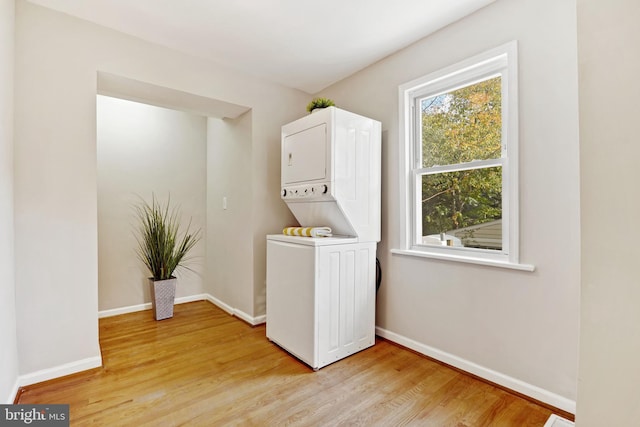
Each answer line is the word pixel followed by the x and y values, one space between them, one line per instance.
pixel 206 368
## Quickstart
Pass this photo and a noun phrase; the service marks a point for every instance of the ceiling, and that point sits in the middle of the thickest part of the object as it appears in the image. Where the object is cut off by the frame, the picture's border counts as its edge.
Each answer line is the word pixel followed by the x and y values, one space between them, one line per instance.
pixel 303 44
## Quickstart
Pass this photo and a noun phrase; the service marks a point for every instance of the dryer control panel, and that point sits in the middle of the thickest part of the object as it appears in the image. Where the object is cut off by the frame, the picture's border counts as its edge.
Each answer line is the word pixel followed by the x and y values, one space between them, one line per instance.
pixel 307 192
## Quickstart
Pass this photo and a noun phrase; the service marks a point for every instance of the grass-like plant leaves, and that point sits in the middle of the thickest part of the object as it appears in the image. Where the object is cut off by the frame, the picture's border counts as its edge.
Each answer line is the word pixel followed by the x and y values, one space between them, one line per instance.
pixel 159 246
pixel 319 103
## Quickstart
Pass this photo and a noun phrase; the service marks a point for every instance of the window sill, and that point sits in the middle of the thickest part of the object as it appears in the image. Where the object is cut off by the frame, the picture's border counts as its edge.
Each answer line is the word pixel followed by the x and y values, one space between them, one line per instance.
pixel 469 260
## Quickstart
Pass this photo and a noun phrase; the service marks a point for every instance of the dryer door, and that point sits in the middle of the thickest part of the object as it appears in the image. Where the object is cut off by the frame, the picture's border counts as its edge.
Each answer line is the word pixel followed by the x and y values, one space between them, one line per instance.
pixel 304 155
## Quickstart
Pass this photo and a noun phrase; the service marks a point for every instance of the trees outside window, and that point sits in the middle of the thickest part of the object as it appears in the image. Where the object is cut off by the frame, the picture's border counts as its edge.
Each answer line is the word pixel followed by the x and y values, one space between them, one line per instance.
pixel 459 128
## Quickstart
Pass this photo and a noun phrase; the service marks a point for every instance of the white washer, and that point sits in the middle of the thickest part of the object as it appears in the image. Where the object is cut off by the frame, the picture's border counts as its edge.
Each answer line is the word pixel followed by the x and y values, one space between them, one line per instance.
pixel 321 296
pixel 321 291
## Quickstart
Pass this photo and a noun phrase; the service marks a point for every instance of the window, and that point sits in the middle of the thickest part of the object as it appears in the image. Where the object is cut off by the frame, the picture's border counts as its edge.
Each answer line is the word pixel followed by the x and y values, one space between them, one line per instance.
pixel 460 161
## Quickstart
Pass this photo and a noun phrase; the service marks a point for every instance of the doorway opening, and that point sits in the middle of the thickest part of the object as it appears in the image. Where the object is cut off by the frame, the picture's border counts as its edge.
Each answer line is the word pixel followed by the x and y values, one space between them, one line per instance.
pixel 160 141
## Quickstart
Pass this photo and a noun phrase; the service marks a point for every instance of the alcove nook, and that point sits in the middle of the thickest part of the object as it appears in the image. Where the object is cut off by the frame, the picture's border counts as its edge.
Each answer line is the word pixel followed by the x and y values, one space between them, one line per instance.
pixel 195 150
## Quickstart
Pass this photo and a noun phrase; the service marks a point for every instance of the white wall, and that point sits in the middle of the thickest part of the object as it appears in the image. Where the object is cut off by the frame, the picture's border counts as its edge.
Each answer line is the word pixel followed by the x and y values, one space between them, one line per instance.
pixel 229 244
pixel 609 378
pixel 517 328
pixel 57 60
pixel 144 150
pixel 9 347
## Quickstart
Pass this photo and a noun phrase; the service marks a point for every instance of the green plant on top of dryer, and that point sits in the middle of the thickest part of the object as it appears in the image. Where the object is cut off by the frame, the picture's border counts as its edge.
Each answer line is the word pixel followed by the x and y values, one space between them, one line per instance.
pixel 319 103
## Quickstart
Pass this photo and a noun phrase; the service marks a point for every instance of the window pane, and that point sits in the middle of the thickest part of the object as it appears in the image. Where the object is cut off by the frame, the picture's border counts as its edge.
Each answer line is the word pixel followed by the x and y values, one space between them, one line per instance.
pixel 463 208
pixel 462 125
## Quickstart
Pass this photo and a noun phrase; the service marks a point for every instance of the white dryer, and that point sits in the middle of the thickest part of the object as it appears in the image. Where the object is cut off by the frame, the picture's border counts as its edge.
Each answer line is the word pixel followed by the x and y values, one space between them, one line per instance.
pixel 321 291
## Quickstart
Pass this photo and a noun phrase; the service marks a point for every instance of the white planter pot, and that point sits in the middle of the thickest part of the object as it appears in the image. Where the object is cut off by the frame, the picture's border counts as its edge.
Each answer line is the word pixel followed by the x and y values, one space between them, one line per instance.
pixel 163 294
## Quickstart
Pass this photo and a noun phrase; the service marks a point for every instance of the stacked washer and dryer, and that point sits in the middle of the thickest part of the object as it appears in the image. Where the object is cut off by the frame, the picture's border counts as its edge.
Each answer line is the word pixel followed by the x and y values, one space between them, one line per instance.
pixel 321 291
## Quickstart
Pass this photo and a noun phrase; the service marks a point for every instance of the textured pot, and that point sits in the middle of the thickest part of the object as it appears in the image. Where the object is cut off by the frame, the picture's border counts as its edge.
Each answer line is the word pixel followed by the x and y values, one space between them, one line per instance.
pixel 163 294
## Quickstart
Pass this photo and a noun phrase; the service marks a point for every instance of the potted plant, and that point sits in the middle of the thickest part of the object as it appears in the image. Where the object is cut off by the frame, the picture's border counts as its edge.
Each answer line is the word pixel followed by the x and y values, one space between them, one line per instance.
pixel 162 250
pixel 319 103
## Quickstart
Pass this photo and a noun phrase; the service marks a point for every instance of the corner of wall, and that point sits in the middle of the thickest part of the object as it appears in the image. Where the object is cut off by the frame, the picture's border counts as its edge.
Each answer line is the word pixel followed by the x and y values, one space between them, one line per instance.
pixel 9 348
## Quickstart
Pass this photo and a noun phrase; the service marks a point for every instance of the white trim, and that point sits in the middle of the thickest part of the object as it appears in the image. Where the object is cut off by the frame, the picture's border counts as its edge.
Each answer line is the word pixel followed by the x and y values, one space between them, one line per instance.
pixel 123 310
pixel 478 67
pixel 510 128
pixel 405 125
pixel 467 259
pixel 60 371
pixel 556 421
pixel 190 298
pixel 147 306
pixel 215 301
pixel 476 164
pixel 253 321
pixel 259 320
pixel 511 383
pixel 14 392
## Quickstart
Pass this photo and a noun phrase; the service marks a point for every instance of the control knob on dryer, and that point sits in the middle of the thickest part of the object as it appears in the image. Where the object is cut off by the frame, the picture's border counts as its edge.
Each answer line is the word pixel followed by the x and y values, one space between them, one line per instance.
pixel 324 188
pixel 284 192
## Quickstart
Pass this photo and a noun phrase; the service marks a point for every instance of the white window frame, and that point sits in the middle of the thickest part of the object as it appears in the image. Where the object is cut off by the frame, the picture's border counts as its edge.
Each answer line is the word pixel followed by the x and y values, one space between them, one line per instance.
pixel 500 61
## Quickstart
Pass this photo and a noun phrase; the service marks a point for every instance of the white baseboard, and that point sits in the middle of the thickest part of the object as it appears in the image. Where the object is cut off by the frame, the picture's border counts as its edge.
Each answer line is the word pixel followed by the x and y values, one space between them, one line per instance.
pixel 191 298
pixel 235 312
pixel 215 301
pixel 14 392
pixel 181 300
pixel 490 375
pixel 124 310
pixel 147 306
pixel 59 371
pixel 259 320
pixel 253 321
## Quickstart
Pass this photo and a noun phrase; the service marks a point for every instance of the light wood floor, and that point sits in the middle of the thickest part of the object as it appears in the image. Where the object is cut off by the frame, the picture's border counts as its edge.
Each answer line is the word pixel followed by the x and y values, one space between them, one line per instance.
pixel 204 367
